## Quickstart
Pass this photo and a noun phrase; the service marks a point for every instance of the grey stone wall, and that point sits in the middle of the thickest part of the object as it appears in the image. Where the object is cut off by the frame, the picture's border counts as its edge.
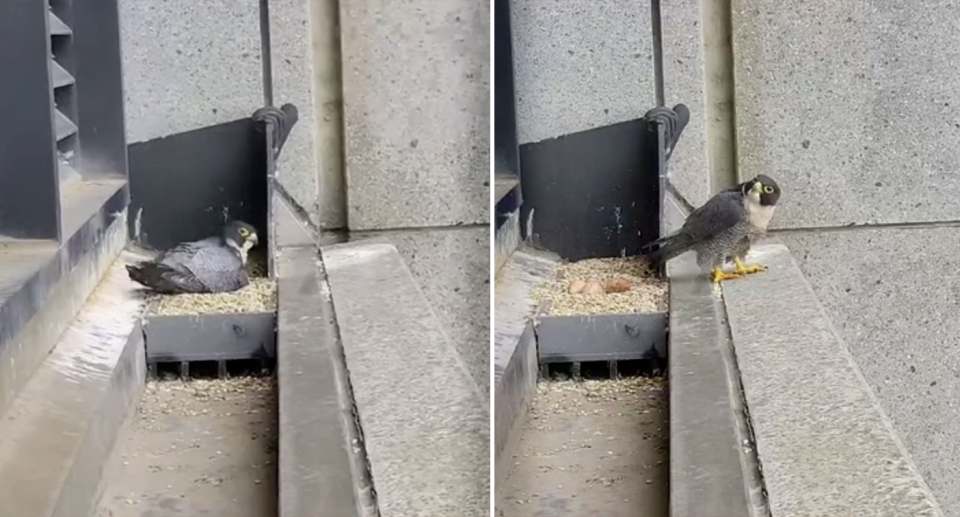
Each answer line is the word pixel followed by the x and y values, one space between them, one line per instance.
pixel 187 65
pixel 580 64
pixel 417 150
pixel 416 112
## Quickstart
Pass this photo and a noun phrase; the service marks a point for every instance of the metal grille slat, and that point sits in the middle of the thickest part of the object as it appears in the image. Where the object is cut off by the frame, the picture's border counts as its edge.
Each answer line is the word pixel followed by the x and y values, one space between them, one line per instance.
pixel 57 27
pixel 63 126
pixel 60 76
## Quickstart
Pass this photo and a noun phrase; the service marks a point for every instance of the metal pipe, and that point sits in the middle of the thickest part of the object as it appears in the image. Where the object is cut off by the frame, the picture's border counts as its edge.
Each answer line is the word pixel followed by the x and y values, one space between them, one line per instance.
pixel 265 54
pixel 656 29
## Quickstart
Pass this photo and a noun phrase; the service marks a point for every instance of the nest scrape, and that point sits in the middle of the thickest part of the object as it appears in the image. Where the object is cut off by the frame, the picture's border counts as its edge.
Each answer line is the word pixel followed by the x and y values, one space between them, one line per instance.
pixel 647 292
pixel 259 296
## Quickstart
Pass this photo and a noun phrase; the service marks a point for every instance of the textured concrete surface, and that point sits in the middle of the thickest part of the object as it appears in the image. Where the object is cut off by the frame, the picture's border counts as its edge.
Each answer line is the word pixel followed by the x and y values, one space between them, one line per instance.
pixel 328 101
pixel 288 229
pixel 513 391
pixel 580 64
pixel 425 421
pixel 825 445
pixel 707 468
pixel 416 112
pixel 197 448
pixel 319 472
pixel 188 65
pixel 893 298
pixel 514 305
pixel 452 269
pixel 852 106
pixel 21 356
pixel 515 349
pixel 293 81
pixel 684 82
pixel 506 241
pixel 612 462
pixel 62 426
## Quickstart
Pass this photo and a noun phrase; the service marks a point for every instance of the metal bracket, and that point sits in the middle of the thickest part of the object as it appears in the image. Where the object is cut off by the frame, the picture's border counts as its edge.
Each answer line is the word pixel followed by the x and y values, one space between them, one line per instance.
pixel 275 124
pixel 673 120
pixel 280 122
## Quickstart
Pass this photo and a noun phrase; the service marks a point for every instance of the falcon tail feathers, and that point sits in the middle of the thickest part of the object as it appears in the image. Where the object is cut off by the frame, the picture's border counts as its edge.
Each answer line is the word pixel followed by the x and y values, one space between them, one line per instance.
pixel 669 246
pixel 157 277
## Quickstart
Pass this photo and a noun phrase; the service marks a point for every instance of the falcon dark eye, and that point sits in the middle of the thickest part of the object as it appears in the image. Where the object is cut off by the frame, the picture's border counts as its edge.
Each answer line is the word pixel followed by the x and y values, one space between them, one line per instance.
pixel 244 232
pixel 768 189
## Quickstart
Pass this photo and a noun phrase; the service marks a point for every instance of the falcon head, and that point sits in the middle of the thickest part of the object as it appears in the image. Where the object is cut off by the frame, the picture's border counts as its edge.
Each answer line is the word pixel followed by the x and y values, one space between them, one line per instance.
pixel 762 190
pixel 240 236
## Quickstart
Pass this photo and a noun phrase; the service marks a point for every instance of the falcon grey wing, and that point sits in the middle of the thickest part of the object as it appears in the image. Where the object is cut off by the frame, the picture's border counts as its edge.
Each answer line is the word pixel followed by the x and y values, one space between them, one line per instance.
pixel 219 268
pixel 719 214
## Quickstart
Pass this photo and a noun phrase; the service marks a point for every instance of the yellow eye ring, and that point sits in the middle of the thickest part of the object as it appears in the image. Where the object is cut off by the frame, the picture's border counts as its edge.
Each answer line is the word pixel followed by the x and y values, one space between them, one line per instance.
pixel 244 232
pixel 767 189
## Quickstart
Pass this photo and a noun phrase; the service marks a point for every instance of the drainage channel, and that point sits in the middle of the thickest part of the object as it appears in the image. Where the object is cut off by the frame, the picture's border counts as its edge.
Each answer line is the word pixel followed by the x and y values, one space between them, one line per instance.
pixel 595 440
pixel 593 447
pixel 203 440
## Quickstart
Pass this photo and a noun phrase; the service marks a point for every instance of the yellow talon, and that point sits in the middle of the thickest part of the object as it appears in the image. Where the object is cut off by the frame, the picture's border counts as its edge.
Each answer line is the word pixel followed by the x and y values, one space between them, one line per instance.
pixel 719 274
pixel 743 270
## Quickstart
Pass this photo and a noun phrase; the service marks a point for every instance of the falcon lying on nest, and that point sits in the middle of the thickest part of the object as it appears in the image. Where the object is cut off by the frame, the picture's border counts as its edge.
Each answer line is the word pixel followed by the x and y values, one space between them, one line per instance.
pixel 212 265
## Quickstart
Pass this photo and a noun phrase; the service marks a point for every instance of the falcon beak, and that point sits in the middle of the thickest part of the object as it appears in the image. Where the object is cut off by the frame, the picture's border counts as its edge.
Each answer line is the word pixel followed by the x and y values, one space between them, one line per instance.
pixel 757 187
pixel 253 239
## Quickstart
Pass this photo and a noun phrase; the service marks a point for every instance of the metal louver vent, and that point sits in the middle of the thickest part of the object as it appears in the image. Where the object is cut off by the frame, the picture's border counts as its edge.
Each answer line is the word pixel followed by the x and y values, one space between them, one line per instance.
pixel 64 89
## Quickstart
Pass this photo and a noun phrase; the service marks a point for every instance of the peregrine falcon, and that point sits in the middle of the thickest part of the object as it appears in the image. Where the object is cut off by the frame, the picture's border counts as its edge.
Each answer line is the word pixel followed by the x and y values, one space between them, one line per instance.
pixel 212 265
pixel 724 228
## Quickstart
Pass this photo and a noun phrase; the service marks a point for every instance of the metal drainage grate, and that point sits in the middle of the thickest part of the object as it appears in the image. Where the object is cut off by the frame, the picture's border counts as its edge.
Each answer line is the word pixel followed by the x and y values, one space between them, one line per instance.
pixel 222 369
pixel 210 345
pixel 601 370
pixel 605 346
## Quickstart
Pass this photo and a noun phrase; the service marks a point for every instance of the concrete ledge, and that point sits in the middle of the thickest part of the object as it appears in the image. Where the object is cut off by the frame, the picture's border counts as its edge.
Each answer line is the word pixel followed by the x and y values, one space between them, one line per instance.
pixel 707 477
pixel 60 430
pixel 825 445
pixel 425 421
pixel 41 291
pixel 515 349
pixel 321 472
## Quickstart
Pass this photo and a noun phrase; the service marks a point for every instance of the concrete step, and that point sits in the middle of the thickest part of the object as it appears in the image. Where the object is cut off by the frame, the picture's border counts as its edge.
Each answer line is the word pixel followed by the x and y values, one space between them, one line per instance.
pixel 425 421
pixel 59 430
pixel 825 445
pixel 515 348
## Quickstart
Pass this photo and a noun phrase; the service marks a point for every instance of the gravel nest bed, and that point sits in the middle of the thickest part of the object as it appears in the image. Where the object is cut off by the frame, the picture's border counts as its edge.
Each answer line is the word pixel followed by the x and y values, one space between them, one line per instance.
pixel 259 296
pixel 647 292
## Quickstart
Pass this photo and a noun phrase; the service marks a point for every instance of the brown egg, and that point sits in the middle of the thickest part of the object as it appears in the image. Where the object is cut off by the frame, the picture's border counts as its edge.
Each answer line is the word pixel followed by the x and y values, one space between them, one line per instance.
pixel 577 286
pixel 594 287
pixel 619 285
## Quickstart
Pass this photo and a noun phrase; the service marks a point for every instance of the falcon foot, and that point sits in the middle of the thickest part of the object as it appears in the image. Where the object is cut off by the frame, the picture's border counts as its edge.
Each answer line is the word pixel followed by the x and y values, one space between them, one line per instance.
pixel 744 270
pixel 719 274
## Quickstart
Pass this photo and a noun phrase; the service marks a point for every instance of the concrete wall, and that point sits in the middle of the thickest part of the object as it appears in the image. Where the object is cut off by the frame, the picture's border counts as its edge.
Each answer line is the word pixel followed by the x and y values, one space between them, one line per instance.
pixel 580 64
pixel 416 128
pixel 852 106
pixel 188 65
